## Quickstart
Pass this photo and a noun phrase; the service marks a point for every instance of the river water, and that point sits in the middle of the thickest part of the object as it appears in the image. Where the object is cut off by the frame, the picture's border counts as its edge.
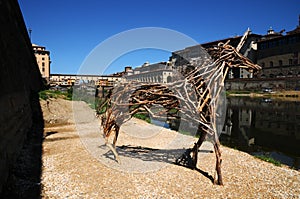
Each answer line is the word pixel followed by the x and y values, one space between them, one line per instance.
pixel 260 126
pixel 264 126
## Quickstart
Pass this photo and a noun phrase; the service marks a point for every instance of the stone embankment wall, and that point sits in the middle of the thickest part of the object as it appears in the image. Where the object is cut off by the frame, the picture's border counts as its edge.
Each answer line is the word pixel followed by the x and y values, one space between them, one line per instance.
pixel 288 83
pixel 20 82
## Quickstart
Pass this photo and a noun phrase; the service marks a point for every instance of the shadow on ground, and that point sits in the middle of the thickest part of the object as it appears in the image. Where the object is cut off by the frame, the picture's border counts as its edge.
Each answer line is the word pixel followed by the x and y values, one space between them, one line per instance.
pixel 25 178
pixel 169 156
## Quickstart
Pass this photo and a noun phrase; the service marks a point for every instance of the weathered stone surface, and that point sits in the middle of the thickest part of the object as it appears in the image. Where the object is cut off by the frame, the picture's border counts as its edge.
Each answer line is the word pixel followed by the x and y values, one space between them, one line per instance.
pixel 20 80
pixel 292 83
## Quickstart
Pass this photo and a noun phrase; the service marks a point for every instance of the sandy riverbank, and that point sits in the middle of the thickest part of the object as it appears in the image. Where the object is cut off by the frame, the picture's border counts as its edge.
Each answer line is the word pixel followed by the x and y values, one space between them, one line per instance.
pixel 72 170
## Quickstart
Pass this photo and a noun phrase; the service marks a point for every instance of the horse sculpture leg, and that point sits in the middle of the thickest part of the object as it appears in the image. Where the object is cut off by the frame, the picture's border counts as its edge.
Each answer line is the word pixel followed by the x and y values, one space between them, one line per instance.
pixel 112 147
pixel 217 152
pixel 186 158
pixel 196 149
pixel 218 163
pixel 117 128
pixel 109 126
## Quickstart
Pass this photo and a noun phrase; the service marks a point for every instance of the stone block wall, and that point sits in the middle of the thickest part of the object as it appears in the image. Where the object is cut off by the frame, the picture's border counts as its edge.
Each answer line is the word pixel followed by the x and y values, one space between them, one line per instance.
pixel 257 84
pixel 20 80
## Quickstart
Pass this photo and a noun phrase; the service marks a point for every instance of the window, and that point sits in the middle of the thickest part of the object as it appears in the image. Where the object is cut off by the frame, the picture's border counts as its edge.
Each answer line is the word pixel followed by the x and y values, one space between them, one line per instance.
pixel 271 64
pixel 272 44
pixel 43 63
pixel 292 40
pixel 262 64
pixel 43 69
pixel 263 46
pixel 280 62
pixel 43 58
pixel 290 62
pixel 295 58
pixel 295 54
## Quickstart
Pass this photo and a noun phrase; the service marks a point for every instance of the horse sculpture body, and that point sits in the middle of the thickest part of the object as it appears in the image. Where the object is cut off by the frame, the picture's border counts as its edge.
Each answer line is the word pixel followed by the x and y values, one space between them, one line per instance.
pixel 194 94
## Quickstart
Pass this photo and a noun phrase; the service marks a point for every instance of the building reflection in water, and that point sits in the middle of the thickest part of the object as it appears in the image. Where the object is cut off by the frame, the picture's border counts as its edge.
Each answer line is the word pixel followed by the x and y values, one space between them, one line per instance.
pixel 255 125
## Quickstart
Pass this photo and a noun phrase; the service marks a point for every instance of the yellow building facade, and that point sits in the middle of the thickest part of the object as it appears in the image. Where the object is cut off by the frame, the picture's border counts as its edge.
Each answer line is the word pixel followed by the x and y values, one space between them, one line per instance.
pixel 43 59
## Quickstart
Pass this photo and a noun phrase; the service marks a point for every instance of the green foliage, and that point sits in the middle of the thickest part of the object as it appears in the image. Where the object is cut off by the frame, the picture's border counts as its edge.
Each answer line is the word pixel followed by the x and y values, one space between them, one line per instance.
pixel 142 116
pixel 100 105
pixel 69 93
pixel 46 94
pixel 43 95
pixel 268 159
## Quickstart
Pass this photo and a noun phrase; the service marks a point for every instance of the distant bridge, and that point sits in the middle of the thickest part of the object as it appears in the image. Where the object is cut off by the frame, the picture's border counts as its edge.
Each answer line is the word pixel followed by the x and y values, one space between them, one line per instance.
pixel 75 79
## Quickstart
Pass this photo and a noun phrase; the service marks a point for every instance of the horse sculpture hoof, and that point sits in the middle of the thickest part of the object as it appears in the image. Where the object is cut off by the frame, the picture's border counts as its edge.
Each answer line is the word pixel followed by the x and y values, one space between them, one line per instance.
pixel 113 149
pixel 186 160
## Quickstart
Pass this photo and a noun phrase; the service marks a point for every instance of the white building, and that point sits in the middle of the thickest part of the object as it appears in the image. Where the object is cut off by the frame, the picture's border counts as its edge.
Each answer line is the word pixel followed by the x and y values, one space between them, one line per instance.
pixel 155 73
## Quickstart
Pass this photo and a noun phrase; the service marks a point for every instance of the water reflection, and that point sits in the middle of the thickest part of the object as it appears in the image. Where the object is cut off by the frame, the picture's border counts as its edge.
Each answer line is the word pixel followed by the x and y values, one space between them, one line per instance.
pixel 258 125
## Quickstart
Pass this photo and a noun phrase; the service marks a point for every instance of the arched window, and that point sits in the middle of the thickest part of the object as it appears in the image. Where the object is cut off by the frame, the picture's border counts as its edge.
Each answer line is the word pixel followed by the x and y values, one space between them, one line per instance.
pixel 159 79
pixel 271 64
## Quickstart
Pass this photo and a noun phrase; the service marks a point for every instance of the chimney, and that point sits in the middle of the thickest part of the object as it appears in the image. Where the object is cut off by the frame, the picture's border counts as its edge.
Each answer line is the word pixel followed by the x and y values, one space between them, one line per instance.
pixel 128 68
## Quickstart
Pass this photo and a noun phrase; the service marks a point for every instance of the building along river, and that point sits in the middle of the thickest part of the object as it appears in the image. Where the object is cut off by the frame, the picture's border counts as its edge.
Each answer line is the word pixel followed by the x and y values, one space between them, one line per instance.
pixel 264 126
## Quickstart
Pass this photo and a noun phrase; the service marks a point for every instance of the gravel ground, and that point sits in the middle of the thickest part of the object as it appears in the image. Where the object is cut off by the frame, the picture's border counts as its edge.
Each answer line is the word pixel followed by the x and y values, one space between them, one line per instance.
pixel 76 164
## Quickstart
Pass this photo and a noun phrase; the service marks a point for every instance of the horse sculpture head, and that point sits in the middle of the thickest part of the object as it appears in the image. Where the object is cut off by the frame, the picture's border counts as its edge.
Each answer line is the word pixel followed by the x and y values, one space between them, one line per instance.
pixel 226 54
pixel 212 63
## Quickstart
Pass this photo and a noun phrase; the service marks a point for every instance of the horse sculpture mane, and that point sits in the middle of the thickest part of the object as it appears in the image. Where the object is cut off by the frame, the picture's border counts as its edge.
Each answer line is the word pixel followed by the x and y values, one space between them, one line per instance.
pixel 194 93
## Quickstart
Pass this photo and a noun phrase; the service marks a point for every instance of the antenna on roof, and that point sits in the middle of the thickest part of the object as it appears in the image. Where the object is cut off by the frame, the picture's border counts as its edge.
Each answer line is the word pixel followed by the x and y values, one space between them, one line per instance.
pixel 29 31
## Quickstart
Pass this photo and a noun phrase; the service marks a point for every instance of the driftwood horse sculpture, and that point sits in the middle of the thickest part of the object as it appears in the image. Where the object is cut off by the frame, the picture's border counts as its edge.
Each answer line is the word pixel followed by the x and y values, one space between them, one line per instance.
pixel 194 94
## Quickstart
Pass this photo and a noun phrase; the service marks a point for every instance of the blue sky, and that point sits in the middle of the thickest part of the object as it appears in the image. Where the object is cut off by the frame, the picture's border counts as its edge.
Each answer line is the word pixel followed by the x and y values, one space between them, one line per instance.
pixel 70 30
